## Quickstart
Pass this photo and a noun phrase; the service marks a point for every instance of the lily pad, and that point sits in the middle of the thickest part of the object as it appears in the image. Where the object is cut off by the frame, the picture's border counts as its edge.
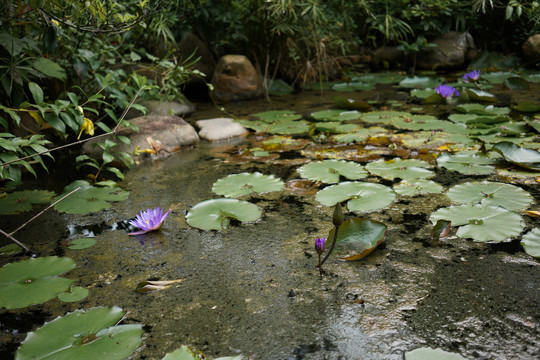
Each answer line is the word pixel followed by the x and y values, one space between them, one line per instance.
pixel 357 238
pixel 10 249
pixel 384 117
pixel 33 281
pixel 246 183
pixel 527 106
pixel 88 198
pixel 215 214
pixel 329 171
pixel 417 187
pixel 431 354
pixel 76 293
pixel 20 201
pixel 498 77
pixel 420 82
pixel 288 127
pixel 507 196
pixel 516 83
pixel 277 116
pixel 335 115
pixel 515 154
pixel 82 243
pixel 398 168
pixel 155 285
pixel 182 353
pixel 352 86
pixel 478 95
pixel 360 135
pixel 90 334
pixel 480 109
pixel 531 242
pixel 482 223
pixel 468 164
pixel 423 93
pixel 350 104
pixel 362 196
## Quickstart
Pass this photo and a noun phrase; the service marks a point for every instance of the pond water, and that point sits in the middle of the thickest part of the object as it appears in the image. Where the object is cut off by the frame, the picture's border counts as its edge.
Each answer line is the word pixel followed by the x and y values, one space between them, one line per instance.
pixel 255 289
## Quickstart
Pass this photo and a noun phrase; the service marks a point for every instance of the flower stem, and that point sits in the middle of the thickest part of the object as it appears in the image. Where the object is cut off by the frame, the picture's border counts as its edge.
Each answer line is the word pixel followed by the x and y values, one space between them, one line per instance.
pixel 327 255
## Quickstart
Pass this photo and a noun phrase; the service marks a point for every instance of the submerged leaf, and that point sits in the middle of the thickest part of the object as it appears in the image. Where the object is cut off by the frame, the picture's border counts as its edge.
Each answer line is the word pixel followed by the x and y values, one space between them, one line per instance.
pixel 154 285
pixel 246 183
pixel 357 238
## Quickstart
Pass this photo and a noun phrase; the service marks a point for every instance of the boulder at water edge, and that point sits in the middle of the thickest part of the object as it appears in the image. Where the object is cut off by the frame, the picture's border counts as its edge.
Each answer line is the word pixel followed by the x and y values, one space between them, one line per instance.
pixel 161 134
pixel 236 79
pixel 156 107
pixel 531 49
pixel 220 129
pixel 450 52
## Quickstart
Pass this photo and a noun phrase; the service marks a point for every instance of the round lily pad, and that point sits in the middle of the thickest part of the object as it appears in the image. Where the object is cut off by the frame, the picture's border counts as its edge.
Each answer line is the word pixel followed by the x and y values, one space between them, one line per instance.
pixel 10 249
pixel 357 238
pixel 335 115
pixel 360 135
pixel 417 187
pixel 420 82
pixel 384 117
pixel 288 127
pixel 482 223
pixel 362 196
pixel 468 164
pixel 524 157
pixel 33 281
pixel 507 196
pixel 215 214
pixel 531 242
pixel 430 354
pixel 82 243
pixel 329 171
pixel 245 183
pixel 277 115
pixel 398 168
pixel 88 198
pixel 90 334
pixel 20 201
pixel 74 294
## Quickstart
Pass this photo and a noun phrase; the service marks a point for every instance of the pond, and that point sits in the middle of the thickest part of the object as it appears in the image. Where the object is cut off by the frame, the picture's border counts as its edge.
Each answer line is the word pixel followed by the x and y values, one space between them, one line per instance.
pixel 254 288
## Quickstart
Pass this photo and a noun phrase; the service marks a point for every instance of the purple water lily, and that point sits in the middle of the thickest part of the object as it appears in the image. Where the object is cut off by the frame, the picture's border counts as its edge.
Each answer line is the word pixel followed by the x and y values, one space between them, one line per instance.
pixel 149 220
pixel 319 245
pixel 473 76
pixel 446 91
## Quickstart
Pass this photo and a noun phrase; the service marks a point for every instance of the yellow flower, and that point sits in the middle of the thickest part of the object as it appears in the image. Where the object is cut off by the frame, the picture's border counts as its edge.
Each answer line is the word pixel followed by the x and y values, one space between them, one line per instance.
pixel 87 127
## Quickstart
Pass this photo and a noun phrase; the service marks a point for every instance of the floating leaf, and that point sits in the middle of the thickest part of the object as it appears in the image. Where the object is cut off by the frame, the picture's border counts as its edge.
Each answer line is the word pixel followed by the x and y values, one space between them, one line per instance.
pixel 417 187
pixel 468 164
pixel 33 281
pixel 482 223
pixel 278 115
pixel 154 285
pixel 441 229
pixel 480 109
pixel 245 183
pixel 527 158
pixel 74 294
pixel 82 243
pixel 420 82
pixel 89 198
pixel 516 83
pixel 90 334
pixel 531 242
pixel 423 93
pixel 10 249
pixel 357 238
pixel 384 117
pixel 362 196
pixel 215 214
pixel 498 77
pixel 279 87
pixel 360 135
pixel 20 201
pixel 329 171
pixel 432 354
pixel 527 106
pixel 398 168
pixel 350 104
pixel 352 86
pixel 507 196
pixel 288 127
pixel 479 95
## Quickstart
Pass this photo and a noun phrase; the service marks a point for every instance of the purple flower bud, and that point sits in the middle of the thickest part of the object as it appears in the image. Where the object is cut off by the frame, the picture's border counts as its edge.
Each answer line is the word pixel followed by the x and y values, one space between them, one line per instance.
pixel 446 91
pixel 319 245
pixel 473 75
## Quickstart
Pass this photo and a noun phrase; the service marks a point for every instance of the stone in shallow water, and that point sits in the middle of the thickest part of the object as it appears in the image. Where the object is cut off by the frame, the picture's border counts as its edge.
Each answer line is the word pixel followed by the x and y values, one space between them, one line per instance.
pixel 220 129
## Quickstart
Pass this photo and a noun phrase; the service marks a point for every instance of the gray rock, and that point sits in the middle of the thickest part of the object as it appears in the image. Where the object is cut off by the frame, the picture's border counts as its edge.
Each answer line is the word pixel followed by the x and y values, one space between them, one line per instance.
pixel 531 49
pixel 450 52
pixel 220 129
pixel 160 134
pixel 163 108
pixel 236 79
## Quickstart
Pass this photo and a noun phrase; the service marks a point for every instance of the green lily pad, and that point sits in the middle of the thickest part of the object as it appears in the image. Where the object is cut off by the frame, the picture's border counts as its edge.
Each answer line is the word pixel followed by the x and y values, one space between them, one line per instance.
pixel 478 95
pixel 90 334
pixel 380 78
pixel 88 198
pixel 329 171
pixel 384 117
pixel 498 77
pixel 33 281
pixel 258 126
pixel 507 196
pixel 215 214
pixel 353 86
pixel 417 187
pixel 524 157
pixel 431 140
pixel 335 115
pixel 10 249
pixel 427 122
pixel 279 87
pixel 432 354
pixel 397 168
pixel 336 127
pixel 516 83
pixel 74 294
pixel 359 135
pixel 277 116
pixel 20 201
pixel 362 196
pixel 531 242
pixel 482 223
pixel 357 238
pixel 480 109
pixel 423 93
pixel 468 164
pixel 420 82
pixel 245 183
pixel 527 106
pixel 82 243
pixel 288 127
pixel 350 104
